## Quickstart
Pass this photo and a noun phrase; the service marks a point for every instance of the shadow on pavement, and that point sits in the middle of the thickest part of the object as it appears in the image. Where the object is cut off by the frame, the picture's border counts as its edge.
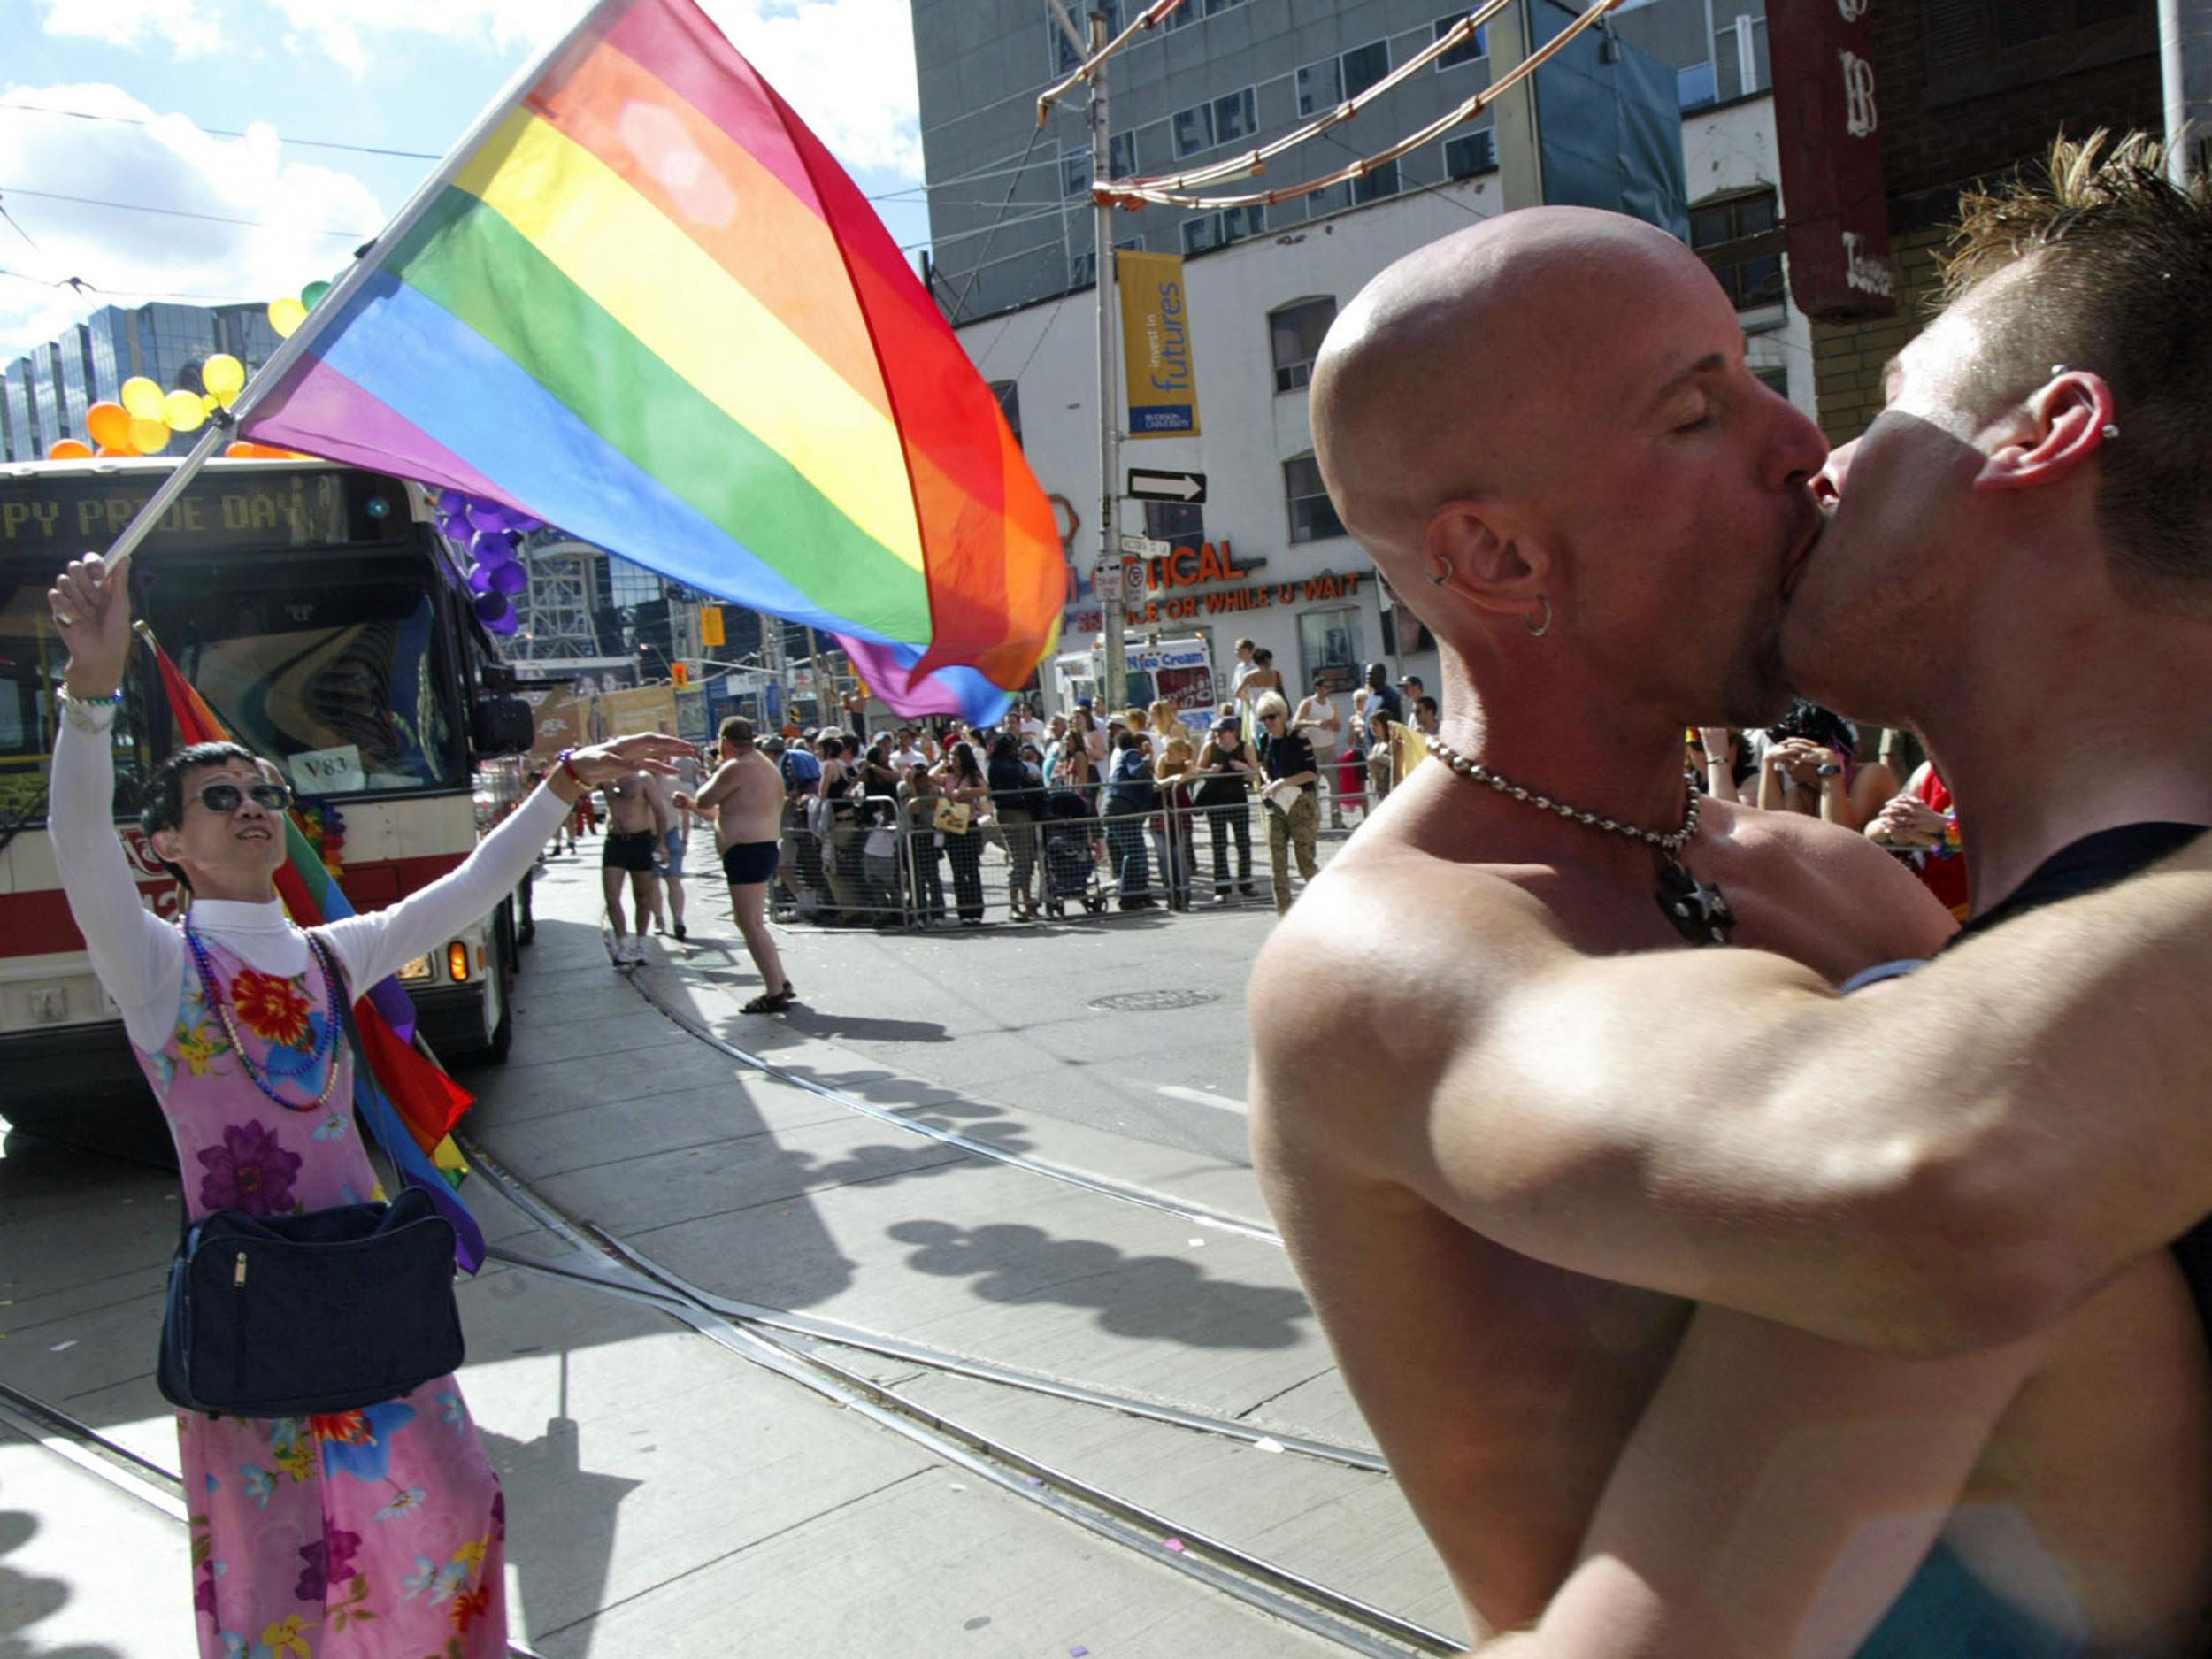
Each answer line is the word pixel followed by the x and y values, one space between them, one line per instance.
pixel 562 1519
pixel 1153 1296
pixel 27 1601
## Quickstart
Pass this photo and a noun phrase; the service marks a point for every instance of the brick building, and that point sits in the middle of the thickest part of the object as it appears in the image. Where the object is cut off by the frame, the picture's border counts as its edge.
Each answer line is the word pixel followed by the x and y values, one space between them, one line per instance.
pixel 1968 90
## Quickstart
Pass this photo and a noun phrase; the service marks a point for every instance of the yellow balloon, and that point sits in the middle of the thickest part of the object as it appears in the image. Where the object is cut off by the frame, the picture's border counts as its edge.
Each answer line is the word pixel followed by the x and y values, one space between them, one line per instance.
pixel 223 376
pixel 183 411
pixel 149 437
pixel 284 315
pixel 143 398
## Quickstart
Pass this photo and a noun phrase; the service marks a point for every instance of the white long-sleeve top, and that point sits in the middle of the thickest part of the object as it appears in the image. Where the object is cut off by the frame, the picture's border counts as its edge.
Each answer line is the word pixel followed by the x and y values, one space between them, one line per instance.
pixel 142 960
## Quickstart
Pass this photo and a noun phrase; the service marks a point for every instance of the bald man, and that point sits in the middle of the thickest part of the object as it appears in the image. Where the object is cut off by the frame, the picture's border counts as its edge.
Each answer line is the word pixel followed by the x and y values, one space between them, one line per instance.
pixel 1544 430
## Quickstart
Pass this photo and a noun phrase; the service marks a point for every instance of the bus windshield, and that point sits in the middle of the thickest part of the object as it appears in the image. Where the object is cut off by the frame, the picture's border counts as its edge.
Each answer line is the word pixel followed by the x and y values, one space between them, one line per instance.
pixel 341 684
pixel 32 663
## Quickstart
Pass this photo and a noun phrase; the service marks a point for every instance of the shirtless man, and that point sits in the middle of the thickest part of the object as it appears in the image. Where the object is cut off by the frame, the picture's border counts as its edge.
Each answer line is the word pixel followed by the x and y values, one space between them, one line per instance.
pixel 745 797
pixel 668 863
pixel 1544 429
pixel 637 821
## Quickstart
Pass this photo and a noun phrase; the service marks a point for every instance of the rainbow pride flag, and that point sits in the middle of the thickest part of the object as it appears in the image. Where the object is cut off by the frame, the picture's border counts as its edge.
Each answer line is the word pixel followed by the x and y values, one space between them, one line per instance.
pixel 649 308
pixel 411 1101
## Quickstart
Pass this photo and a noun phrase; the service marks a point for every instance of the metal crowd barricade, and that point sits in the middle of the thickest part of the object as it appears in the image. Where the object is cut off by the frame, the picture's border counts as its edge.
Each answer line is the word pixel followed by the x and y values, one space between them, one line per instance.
pixel 1081 861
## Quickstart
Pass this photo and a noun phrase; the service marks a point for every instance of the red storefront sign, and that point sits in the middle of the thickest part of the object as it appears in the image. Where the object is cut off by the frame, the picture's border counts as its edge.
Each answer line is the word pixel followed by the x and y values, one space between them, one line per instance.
pixel 1827 116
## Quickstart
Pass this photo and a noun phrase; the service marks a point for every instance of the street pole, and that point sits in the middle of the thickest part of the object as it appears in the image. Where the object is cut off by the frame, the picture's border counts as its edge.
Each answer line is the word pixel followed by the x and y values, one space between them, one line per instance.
pixel 1114 679
pixel 2185 56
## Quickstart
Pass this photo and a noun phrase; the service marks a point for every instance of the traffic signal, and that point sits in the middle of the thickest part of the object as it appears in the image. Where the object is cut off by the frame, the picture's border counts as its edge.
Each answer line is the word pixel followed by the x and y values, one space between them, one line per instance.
pixel 710 627
pixel 680 673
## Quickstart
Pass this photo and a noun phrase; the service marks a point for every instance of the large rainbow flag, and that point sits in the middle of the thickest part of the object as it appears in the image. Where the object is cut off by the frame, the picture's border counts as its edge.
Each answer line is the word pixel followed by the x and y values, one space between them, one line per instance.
pixel 649 308
pixel 410 1099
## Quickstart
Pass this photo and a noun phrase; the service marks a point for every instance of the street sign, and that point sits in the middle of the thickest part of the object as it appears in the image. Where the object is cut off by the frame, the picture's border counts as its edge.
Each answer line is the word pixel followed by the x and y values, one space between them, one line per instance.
pixel 1184 487
pixel 1146 548
pixel 1106 576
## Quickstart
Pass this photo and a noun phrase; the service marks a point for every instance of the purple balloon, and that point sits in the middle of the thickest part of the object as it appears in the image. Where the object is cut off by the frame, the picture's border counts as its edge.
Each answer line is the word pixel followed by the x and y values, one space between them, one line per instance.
pixel 452 503
pixel 491 607
pixel 487 515
pixel 509 579
pixel 524 523
pixel 493 547
pixel 504 624
pixel 480 578
pixel 455 528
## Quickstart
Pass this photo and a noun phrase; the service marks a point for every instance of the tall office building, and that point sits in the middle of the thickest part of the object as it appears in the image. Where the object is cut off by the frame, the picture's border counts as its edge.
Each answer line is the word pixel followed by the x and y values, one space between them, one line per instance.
pixel 1013 262
pixel 51 386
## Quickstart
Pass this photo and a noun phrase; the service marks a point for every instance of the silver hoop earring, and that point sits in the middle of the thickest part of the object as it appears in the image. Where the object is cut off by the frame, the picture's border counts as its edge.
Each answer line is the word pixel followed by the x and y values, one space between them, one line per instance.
pixel 2110 432
pixel 1535 631
pixel 1439 572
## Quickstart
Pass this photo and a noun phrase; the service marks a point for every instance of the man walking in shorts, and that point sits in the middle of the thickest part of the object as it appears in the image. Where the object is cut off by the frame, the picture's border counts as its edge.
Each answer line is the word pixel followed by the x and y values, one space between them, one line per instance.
pixel 668 863
pixel 745 797
pixel 637 821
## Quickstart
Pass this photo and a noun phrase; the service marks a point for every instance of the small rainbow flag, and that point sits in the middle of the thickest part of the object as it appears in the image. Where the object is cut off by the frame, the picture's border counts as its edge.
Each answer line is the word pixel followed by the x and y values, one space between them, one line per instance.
pixel 411 1101
pixel 649 308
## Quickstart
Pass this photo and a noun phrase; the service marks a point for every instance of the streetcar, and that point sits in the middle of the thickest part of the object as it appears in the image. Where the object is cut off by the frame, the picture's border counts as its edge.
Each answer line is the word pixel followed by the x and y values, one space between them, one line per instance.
pixel 323 617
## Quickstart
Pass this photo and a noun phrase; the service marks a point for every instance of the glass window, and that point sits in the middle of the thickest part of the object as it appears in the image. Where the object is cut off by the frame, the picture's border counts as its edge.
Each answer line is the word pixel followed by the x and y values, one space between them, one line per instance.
pixel 1332 199
pixel 1776 377
pixel 1320 87
pixel 1737 238
pixel 32 663
pixel 1214 7
pixel 1193 130
pixel 1740 57
pixel 1694 88
pixel 1373 186
pixel 1312 517
pixel 1182 524
pixel 1121 154
pixel 1476 153
pixel 1009 404
pixel 1329 644
pixel 347 672
pixel 1082 269
pixel 1466 51
pixel 1075 173
pixel 1236 116
pixel 1293 337
pixel 1364 66
pixel 1201 234
pixel 1237 223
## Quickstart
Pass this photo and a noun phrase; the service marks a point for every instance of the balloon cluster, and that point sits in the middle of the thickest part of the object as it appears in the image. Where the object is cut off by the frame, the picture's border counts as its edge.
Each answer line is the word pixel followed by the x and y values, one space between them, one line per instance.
pixel 143 420
pixel 492 532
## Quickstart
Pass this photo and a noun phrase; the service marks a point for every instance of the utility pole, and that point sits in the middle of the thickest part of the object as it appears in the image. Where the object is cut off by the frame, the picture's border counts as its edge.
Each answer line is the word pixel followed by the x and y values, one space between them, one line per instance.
pixel 1114 687
pixel 2185 56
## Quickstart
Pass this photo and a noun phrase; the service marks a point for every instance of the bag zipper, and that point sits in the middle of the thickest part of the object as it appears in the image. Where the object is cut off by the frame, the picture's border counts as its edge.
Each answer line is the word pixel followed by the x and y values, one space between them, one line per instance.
pixel 238 1286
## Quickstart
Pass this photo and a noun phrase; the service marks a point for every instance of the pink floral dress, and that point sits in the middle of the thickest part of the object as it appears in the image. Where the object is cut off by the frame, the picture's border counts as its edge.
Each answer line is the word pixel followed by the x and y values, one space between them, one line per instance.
pixel 370 1534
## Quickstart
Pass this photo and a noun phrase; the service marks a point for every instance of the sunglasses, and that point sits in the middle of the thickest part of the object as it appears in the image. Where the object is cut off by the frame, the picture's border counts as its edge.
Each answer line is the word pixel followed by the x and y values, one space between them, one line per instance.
pixel 227 798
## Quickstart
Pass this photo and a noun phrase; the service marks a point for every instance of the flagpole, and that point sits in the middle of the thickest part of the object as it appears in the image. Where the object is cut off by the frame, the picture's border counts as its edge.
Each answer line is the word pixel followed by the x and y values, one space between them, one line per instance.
pixel 365 265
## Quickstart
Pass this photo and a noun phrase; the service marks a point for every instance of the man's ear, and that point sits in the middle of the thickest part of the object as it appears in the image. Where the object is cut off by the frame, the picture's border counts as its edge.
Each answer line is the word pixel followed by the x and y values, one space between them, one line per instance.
pixel 164 841
pixel 2060 426
pixel 1479 550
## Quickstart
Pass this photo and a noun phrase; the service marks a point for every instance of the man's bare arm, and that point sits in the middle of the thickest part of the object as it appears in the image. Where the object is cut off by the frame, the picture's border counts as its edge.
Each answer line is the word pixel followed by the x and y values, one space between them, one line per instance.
pixel 1944 1160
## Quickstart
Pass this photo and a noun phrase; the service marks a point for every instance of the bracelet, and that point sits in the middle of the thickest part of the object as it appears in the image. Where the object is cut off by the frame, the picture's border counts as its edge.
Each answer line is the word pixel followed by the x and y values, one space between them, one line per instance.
pixel 64 694
pixel 568 768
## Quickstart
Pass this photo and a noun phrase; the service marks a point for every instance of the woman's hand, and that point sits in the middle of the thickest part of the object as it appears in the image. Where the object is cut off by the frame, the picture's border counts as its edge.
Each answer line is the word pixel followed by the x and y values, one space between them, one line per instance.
pixel 91 603
pixel 603 763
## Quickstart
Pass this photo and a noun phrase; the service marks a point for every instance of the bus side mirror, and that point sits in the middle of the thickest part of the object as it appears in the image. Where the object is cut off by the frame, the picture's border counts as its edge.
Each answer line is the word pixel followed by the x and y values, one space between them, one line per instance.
pixel 504 726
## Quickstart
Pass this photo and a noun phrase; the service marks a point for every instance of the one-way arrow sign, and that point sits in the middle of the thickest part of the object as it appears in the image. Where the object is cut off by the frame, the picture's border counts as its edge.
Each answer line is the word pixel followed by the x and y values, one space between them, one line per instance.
pixel 1184 487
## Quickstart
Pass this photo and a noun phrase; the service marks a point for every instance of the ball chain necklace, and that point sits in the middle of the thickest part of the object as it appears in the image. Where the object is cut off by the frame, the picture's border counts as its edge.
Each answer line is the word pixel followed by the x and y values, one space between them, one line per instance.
pixel 1698 911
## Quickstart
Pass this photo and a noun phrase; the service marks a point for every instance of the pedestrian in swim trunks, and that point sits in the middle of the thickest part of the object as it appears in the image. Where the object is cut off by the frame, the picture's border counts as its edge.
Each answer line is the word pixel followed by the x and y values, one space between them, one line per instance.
pixel 668 863
pixel 745 797
pixel 637 820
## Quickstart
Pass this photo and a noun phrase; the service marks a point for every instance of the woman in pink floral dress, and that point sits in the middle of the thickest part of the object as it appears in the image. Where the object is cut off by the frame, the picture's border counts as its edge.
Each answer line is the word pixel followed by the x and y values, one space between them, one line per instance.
pixel 361 1534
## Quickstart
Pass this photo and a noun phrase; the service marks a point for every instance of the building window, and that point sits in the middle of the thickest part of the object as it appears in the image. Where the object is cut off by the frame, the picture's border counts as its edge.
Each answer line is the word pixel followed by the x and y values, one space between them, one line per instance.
pixel 1082 269
pixel 1376 184
pixel 1219 230
pixel 1121 154
pixel 1740 240
pixel 1469 157
pixel 1329 644
pixel 1193 130
pixel 1332 199
pixel 1236 116
pixel 1312 517
pixel 1776 377
pixel 1009 404
pixel 1075 173
pixel 1178 523
pixel 1695 88
pixel 1740 57
pixel 1364 66
pixel 1467 51
pixel 1064 56
pixel 1203 233
pixel 1294 335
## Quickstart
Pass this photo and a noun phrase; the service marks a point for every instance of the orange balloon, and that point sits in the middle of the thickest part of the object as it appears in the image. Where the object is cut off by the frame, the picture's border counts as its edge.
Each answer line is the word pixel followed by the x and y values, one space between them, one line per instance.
pixel 240 450
pixel 109 451
pixel 109 425
pixel 70 450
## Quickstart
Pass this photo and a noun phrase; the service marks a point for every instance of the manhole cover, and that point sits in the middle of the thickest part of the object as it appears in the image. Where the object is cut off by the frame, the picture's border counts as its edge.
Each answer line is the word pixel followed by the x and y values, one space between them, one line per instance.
pixel 1153 1002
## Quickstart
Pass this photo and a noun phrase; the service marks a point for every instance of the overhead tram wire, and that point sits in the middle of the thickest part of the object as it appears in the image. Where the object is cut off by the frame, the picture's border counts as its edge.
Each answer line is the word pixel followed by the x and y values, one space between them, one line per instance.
pixel 1012 185
pixel 170 212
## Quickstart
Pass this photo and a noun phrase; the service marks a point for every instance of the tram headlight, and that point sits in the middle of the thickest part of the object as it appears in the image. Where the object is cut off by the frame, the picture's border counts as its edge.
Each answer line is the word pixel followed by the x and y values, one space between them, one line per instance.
pixel 457 961
pixel 414 971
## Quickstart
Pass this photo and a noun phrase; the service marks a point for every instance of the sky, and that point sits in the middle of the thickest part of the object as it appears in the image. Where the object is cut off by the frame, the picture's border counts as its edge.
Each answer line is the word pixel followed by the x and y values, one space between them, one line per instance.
pixel 223 109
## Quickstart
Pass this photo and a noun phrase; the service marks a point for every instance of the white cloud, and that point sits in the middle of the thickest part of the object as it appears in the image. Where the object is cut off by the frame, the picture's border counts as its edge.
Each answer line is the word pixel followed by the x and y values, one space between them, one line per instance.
pixel 189 31
pixel 847 66
pixel 170 162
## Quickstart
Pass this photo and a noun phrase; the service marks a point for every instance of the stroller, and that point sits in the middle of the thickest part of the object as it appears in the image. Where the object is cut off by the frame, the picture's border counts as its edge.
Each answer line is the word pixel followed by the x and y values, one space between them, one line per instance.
pixel 1071 871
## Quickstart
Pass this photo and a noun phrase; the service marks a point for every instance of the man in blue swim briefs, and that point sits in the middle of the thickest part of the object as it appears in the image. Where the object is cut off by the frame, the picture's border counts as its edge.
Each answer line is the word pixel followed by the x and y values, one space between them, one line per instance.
pixel 1701 1310
pixel 745 797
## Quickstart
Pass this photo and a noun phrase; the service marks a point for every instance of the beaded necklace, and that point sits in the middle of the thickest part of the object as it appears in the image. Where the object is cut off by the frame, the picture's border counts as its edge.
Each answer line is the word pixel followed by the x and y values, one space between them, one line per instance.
pixel 324 1050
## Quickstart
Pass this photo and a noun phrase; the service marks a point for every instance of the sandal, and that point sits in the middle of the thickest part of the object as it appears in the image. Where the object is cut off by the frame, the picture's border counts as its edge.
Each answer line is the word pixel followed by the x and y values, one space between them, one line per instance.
pixel 772 1002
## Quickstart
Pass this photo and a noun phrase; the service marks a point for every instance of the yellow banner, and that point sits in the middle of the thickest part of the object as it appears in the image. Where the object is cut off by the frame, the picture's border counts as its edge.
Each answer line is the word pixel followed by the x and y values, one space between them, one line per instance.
pixel 1155 345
